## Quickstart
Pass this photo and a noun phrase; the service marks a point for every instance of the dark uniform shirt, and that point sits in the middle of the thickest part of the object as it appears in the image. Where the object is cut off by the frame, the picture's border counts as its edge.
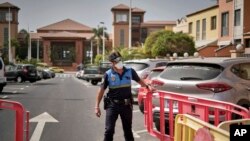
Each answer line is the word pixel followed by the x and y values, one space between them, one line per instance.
pixel 121 92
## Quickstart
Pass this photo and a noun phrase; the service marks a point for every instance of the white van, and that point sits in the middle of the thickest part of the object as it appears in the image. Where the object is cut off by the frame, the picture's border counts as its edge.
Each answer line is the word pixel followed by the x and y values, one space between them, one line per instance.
pixel 2 75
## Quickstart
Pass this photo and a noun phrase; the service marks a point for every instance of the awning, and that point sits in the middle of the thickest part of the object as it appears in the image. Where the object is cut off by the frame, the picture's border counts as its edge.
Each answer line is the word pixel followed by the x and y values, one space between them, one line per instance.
pixel 202 43
pixel 223 43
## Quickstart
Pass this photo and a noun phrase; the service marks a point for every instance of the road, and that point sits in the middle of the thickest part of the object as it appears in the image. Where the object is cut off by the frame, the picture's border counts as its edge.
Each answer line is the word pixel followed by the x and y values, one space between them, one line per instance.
pixel 62 109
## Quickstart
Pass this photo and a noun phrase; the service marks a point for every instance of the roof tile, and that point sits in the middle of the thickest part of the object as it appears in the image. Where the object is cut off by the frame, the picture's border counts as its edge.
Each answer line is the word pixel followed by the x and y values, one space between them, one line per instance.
pixel 67 25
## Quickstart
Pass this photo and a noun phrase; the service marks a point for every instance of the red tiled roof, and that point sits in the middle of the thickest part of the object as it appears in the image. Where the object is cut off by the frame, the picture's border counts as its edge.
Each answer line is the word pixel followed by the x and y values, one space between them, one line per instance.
pixel 67 25
pixel 203 10
pixel 125 7
pixel 63 34
pixel 7 5
pixel 158 23
pixel 120 7
pixel 135 9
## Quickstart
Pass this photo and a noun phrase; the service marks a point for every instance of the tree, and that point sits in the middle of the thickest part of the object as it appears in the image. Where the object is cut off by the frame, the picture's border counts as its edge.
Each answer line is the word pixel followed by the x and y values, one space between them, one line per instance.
pixel 98 33
pixel 150 40
pixel 135 53
pixel 21 52
pixel 167 42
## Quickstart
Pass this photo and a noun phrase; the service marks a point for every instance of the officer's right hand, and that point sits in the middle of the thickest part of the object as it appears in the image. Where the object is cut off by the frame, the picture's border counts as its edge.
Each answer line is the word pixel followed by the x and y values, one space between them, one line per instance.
pixel 97 111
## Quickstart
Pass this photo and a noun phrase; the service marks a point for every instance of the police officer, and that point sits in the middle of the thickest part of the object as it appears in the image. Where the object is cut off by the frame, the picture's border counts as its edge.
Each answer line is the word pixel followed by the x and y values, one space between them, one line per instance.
pixel 118 100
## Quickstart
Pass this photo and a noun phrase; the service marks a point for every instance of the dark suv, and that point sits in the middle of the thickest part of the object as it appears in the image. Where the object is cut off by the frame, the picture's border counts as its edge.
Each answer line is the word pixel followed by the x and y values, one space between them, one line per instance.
pixel 21 73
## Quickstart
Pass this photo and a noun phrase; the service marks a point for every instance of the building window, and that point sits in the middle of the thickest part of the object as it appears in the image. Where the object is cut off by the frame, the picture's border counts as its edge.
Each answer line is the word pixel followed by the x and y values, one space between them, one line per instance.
pixel 190 27
pixel 122 37
pixel 144 34
pixel 5 35
pixel 204 29
pixel 224 24
pixel 247 41
pixel 198 30
pixel 213 23
pixel 121 17
pixel 237 17
pixel 136 19
pixel 2 16
pixel 5 16
pixel 135 30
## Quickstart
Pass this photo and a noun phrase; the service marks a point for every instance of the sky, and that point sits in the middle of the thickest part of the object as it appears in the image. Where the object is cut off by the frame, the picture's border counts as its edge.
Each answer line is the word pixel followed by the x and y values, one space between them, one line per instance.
pixel 39 13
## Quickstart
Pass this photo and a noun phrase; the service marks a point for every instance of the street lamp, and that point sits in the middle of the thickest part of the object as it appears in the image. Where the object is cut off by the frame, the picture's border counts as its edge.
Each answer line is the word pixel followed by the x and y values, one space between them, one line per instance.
pixel 103 41
pixel 29 47
pixel 9 18
pixel 37 50
pixel 91 50
pixel 130 24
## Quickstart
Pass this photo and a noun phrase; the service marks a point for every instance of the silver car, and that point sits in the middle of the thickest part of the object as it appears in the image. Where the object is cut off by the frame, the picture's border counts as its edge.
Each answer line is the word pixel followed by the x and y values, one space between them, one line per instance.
pixel 224 79
pixel 143 67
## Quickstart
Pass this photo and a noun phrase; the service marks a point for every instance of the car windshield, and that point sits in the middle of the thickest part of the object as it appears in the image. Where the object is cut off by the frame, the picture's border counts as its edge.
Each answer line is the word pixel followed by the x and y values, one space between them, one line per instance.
pixel 153 74
pixel 105 65
pixel 136 66
pixel 30 67
pixel 191 72
pixel 91 71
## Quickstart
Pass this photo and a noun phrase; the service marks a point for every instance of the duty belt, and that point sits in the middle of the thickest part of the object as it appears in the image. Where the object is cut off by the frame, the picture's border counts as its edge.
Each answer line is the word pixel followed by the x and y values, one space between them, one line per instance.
pixel 121 101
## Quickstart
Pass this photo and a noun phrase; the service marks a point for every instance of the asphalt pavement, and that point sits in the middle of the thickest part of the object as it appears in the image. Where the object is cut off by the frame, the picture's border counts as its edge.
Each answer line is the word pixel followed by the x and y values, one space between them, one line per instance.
pixel 62 109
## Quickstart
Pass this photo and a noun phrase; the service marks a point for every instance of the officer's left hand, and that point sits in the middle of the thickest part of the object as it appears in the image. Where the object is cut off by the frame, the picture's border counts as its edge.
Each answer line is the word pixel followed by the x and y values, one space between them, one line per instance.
pixel 150 88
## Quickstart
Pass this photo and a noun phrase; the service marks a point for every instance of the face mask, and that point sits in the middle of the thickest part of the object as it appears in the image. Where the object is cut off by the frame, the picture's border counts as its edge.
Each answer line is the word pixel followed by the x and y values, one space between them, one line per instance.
pixel 119 65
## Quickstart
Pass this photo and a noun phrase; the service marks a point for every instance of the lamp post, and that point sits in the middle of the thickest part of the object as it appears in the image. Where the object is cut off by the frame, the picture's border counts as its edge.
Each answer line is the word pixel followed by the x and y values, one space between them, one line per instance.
pixel 91 52
pixel 103 41
pixel 130 24
pixel 29 47
pixel 9 18
pixel 37 50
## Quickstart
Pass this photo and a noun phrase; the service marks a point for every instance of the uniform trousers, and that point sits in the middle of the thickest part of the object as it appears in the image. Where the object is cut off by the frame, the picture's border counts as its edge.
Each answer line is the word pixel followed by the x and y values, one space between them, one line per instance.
pixel 112 112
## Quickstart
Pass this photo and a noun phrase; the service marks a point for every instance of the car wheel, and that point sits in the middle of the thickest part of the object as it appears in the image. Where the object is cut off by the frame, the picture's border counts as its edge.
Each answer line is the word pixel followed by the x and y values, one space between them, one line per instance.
pixel 157 125
pixel 1 89
pixel 19 79
pixel 94 82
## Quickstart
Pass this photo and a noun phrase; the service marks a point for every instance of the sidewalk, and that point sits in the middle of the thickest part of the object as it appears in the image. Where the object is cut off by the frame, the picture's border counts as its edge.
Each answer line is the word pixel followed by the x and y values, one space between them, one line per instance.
pixel 70 72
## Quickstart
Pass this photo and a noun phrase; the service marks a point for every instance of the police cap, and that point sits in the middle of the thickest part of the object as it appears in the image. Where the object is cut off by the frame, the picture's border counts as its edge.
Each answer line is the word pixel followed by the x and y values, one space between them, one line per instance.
pixel 115 57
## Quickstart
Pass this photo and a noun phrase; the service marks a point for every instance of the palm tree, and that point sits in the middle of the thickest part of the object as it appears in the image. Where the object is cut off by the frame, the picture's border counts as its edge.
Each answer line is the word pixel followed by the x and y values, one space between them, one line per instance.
pixel 98 33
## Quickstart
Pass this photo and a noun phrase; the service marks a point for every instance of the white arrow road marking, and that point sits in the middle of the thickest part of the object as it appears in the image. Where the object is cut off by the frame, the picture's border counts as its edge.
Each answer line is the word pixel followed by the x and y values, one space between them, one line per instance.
pixel 135 111
pixel 41 119
pixel 135 134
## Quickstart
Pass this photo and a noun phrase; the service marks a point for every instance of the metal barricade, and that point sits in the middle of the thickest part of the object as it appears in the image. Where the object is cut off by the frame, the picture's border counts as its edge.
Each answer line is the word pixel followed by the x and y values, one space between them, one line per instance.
pixel 171 104
pixel 20 114
pixel 189 128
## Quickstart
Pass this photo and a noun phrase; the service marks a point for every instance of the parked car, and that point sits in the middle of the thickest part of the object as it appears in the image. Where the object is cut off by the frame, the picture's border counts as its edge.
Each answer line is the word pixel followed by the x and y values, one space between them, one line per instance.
pixel 224 79
pixel 2 75
pixel 141 92
pixel 56 69
pixel 46 73
pixel 21 73
pixel 104 66
pixel 93 75
pixel 143 68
